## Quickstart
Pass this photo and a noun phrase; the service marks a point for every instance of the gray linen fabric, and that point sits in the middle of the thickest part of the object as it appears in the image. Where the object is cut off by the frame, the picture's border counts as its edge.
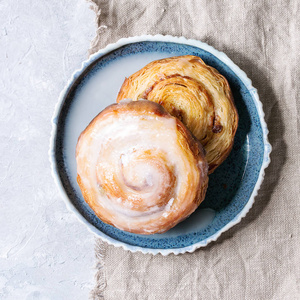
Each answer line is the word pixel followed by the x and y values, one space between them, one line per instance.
pixel 260 257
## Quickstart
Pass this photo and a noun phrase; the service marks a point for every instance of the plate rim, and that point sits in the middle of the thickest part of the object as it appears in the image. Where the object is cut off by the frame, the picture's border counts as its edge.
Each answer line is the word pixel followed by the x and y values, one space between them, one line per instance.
pixel 179 40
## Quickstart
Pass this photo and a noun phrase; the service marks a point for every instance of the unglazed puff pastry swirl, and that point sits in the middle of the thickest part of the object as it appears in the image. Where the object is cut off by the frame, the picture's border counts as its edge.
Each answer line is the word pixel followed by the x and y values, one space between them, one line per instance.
pixel 195 93
pixel 139 168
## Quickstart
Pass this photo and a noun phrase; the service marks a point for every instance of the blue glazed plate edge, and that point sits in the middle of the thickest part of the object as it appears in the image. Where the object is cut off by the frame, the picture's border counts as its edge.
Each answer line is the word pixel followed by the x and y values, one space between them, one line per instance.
pixel 180 40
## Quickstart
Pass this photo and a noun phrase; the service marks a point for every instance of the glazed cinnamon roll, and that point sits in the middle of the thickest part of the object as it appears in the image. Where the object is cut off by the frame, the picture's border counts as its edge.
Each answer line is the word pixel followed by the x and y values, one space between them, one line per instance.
pixel 195 93
pixel 139 168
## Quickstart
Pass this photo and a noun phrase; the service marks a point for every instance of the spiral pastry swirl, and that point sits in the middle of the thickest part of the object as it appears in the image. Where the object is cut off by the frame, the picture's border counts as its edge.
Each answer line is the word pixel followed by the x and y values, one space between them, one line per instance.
pixel 195 93
pixel 139 168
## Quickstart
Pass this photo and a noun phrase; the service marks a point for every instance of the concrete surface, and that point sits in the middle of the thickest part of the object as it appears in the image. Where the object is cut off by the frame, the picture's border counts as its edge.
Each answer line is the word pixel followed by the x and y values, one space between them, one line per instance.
pixel 45 253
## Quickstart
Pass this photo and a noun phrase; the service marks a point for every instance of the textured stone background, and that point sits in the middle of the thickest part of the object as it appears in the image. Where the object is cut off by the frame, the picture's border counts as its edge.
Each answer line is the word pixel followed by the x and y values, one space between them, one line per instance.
pixel 45 253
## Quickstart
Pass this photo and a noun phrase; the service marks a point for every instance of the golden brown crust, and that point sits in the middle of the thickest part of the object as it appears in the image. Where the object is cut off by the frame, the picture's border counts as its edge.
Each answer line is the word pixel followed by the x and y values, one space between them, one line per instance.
pixel 195 93
pixel 139 168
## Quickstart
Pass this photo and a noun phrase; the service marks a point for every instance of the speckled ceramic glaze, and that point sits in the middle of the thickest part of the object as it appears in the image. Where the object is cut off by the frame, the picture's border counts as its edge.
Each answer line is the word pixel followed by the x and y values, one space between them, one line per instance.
pixel 232 187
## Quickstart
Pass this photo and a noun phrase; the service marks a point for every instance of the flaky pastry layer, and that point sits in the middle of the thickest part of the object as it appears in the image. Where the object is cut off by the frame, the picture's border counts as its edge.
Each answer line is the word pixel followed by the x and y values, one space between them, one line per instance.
pixel 195 93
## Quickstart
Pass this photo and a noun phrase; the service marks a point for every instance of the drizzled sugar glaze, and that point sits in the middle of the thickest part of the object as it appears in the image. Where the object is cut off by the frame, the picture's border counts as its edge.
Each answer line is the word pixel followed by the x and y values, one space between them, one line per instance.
pixel 139 168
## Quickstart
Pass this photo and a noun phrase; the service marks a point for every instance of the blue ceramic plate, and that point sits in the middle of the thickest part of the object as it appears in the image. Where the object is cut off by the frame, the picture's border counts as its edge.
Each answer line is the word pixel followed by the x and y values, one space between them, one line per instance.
pixel 232 187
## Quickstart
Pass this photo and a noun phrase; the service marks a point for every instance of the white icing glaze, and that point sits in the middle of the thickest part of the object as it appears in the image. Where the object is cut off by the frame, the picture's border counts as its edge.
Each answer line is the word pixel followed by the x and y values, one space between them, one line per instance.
pixel 116 147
